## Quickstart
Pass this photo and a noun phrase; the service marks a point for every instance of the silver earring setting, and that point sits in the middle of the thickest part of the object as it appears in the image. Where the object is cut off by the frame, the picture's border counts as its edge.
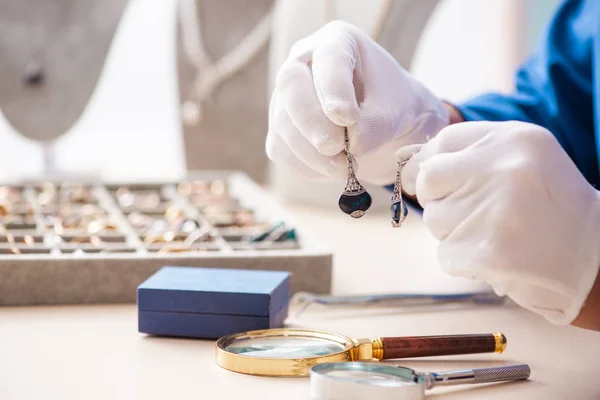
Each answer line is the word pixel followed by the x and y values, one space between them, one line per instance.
pixel 397 205
pixel 355 200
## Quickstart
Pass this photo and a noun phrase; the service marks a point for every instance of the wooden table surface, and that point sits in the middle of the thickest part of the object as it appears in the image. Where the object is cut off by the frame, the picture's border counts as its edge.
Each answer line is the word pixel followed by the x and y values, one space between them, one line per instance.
pixel 95 352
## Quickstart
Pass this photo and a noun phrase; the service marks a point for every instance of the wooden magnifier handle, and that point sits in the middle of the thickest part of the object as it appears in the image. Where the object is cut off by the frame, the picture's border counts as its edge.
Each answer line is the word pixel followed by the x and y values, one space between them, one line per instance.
pixel 425 346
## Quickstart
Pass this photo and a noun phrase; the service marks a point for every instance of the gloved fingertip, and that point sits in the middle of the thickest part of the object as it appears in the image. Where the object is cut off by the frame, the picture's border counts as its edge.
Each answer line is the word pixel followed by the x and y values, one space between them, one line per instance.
pixel 329 146
pixel 270 147
pixel 409 181
pixel 409 189
pixel 407 152
pixel 342 113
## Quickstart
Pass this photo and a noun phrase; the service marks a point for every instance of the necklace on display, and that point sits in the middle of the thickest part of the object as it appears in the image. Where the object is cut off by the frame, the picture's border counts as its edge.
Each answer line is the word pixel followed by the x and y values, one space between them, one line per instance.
pixel 210 74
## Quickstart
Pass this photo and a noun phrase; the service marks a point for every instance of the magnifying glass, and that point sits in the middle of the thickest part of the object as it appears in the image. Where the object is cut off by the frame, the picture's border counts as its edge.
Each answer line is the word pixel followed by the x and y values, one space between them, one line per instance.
pixel 360 380
pixel 292 352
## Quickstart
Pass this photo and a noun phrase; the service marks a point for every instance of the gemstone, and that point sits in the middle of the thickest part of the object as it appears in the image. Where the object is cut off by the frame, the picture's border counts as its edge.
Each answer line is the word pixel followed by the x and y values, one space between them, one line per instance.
pixel 291 234
pixel 265 235
pixel 355 204
pixel 288 234
pixel 399 212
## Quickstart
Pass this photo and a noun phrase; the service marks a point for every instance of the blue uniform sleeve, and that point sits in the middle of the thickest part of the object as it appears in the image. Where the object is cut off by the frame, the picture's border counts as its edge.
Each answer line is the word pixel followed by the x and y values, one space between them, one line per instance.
pixel 554 87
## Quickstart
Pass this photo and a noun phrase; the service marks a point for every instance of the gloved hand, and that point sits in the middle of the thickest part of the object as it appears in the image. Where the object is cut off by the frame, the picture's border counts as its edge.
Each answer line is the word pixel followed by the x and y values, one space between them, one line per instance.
pixel 339 77
pixel 510 208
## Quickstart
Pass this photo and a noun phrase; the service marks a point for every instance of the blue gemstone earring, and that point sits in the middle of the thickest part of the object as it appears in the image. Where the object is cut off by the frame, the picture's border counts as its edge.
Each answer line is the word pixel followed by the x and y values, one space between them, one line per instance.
pixel 398 206
pixel 354 200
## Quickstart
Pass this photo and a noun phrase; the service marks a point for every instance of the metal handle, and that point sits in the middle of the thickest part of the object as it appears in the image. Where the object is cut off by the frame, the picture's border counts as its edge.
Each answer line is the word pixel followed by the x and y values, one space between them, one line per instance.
pixel 410 298
pixel 480 375
pixel 500 374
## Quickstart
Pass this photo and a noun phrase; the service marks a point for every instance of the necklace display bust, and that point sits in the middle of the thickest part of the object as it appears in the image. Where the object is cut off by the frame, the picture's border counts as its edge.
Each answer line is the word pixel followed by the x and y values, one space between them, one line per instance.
pixel 51 55
pixel 54 64
pixel 233 127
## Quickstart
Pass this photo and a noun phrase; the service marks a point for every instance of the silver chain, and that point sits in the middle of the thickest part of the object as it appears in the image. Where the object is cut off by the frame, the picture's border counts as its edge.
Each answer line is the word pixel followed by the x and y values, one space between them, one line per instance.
pixel 352 183
pixel 397 193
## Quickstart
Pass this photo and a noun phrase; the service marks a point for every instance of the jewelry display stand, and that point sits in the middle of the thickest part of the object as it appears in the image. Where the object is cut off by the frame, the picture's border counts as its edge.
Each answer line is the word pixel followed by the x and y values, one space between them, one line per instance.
pixel 231 127
pixel 117 115
pixel 106 73
pixel 52 57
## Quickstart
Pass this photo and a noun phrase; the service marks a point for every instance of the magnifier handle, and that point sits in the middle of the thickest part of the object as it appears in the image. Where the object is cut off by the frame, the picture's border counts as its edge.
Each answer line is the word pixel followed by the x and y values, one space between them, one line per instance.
pixel 480 375
pixel 425 346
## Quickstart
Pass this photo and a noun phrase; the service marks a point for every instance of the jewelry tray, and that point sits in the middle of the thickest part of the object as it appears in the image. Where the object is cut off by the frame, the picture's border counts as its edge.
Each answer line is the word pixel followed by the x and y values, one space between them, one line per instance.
pixel 45 259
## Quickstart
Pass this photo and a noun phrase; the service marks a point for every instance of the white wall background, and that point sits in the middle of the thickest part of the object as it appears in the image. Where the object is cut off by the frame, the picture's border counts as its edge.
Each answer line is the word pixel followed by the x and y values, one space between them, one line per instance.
pixel 470 46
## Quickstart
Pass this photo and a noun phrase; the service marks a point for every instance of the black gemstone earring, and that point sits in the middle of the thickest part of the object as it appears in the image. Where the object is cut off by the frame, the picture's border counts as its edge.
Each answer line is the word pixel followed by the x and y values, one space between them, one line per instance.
pixel 354 200
pixel 397 205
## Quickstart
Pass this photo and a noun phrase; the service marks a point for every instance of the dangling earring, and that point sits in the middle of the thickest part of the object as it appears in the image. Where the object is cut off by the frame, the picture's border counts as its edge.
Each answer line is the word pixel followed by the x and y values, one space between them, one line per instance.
pixel 354 200
pixel 398 207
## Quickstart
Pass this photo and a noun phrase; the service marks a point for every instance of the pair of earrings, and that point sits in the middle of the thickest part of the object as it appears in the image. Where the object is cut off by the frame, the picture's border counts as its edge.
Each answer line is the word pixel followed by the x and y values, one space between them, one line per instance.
pixel 355 200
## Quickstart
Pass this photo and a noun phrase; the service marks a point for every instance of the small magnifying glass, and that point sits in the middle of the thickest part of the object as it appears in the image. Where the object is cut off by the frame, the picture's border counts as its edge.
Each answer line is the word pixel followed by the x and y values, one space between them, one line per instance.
pixel 362 380
pixel 292 352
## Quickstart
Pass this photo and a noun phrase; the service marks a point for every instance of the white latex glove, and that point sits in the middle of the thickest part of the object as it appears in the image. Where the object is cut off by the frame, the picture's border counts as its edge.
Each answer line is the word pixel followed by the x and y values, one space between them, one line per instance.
pixel 510 208
pixel 339 77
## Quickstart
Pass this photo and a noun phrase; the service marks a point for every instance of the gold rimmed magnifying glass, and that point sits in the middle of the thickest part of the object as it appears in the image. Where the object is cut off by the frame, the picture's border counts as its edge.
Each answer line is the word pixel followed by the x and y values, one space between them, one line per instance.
pixel 292 352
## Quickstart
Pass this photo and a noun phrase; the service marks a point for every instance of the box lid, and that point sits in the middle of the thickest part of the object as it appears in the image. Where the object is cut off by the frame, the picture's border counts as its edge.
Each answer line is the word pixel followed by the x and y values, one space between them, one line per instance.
pixel 215 290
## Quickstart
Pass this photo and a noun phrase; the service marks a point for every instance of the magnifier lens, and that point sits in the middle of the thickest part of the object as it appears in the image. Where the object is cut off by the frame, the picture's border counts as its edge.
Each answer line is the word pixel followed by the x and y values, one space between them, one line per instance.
pixel 357 380
pixel 370 378
pixel 284 347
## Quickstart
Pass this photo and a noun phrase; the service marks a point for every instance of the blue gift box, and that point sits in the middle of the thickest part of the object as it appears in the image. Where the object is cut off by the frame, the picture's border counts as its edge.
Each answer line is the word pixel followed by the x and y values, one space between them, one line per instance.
pixel 210 303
